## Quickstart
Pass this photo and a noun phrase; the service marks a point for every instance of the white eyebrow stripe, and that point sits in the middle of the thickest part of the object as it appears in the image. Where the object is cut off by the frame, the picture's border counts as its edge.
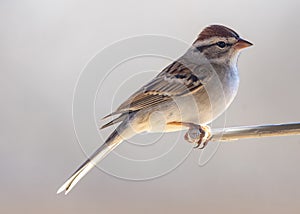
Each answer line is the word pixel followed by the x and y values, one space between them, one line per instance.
pixel 213 40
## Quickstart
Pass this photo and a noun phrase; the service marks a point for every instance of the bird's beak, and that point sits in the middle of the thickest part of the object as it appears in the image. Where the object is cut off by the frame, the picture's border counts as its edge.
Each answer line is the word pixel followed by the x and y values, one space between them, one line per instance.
pixel 241 44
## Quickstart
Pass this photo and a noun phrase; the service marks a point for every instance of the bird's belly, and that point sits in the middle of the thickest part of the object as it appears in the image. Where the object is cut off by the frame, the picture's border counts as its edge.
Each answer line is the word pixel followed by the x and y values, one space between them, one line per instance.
pixel 201 107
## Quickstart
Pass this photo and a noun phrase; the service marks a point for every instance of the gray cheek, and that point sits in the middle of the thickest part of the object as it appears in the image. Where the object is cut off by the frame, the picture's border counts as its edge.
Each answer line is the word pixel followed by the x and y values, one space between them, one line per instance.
pixel 215 53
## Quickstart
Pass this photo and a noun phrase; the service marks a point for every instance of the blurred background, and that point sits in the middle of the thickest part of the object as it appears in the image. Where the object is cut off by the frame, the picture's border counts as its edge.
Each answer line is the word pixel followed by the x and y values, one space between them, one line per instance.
pixel 44 45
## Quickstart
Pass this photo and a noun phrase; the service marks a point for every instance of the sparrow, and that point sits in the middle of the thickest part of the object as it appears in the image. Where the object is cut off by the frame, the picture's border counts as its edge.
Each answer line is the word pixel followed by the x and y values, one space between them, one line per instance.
pixel 190 92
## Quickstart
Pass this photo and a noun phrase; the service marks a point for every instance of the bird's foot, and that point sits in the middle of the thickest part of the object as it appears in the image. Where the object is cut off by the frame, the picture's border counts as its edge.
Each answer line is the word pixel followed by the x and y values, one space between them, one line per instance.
pixel 198 134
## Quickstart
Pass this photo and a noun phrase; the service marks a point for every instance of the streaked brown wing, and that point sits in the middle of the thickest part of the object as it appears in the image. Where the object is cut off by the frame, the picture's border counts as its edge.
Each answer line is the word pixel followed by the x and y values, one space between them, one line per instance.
pixel 175 80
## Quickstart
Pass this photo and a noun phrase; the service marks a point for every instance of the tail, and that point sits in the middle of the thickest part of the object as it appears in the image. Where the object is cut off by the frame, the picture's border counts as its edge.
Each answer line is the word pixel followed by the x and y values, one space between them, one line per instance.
pixel 122 132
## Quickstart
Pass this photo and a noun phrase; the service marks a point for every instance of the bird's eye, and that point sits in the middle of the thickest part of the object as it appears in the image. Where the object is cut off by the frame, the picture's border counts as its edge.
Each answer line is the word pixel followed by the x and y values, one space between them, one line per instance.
pixel 221 44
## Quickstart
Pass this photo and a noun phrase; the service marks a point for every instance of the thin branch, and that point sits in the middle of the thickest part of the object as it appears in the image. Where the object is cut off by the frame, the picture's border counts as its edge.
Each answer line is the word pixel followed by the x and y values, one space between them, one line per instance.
pixel 258 131
pixel 194 135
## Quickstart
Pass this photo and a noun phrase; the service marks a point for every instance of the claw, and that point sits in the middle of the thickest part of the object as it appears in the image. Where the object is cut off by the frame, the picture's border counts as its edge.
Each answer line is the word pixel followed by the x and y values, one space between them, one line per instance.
pixel 197 146
pixel 201 136
pixel 204 137
pixel 203 146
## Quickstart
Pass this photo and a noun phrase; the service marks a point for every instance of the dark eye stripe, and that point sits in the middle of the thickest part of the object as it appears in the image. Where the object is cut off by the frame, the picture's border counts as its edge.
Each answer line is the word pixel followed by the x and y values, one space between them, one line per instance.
pixel 203 47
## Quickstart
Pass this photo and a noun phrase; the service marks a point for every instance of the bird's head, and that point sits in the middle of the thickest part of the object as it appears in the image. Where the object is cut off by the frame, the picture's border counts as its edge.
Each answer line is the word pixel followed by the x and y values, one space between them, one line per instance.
pixel 220 44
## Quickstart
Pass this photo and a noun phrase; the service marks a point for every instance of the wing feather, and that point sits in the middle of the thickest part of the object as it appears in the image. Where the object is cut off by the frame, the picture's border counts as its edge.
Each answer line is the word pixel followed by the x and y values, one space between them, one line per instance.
pixel 174 80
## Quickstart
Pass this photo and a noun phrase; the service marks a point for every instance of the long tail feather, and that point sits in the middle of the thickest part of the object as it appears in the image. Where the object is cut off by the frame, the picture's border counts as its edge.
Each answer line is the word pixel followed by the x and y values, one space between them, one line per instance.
pixel 114 121
pixel 122 132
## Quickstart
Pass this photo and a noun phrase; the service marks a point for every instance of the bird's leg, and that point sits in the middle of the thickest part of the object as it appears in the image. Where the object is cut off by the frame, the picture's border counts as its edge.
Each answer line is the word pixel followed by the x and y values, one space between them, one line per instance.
pixel 199 134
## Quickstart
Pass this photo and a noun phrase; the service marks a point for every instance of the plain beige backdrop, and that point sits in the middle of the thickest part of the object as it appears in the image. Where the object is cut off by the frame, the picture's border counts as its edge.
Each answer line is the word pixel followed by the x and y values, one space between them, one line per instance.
pixel 44 45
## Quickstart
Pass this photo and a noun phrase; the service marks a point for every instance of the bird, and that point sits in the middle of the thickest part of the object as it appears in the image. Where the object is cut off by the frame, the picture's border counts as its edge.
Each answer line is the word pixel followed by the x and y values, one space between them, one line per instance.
pixel 192 91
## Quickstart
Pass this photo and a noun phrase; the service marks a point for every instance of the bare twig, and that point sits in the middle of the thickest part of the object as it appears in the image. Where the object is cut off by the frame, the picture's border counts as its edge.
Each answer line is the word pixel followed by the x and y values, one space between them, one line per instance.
pixel 243 132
